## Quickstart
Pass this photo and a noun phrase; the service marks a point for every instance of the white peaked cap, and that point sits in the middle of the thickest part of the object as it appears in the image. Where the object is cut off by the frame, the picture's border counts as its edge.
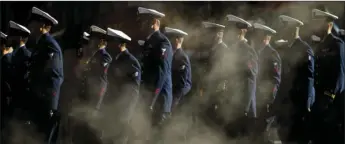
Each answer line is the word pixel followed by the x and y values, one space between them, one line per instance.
pixel 118 34
pixel 317 13
pixel 315 38
pixel 142 10
pixel 4 36
pixel 263 27
pixel 97 29
pixel 210 25
pixel 237 19
pixel 291 20
pixel 141 42
pixel 45 15
pixel 175 31
pixel 281 42
pixel 19 27
pixel 86 35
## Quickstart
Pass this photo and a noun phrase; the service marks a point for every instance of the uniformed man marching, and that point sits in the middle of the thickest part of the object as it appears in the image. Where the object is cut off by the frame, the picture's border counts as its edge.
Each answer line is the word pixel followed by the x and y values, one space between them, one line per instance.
pixel 157 65
pixel 298 60
pixel 78 76
pixel 6 84
pixel 97 69
pixel 268 79
pixel 126 80
pixel 215 74
pixel 181 67
pixel 83 41
pixel 46 76
pixel 18 35
pixel 329 81
pixel 93 89
pixel 245 73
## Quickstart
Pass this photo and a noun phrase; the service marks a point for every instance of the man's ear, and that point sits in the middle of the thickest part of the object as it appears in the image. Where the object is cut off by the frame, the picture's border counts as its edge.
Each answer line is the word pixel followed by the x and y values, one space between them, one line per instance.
pixel 220 34
pixel 157 22
pixel 330 24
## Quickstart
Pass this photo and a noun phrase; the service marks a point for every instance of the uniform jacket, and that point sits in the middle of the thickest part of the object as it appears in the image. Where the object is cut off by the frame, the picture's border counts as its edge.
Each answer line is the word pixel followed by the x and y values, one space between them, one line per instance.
pixel 298 67
pixel 46 71
pixel 96 77
pixel 125 83
pixel 329 67
pixel 6 77
pixel 247 70
pixel 126 72
pixel 181 74
pixel 269 75
pixel 157 66
pixel 215 71
pixel 21 60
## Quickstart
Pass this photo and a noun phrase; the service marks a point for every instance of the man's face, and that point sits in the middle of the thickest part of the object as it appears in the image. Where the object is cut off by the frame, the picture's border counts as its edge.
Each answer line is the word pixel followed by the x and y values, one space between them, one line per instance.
pixel 102 42
pixel 153 24
pixel 35 28
pixel 217 36
pixel 319 27
pixel 13 41
pixel 287 33
pixel 258 39
pixel 147 25
pixel 267 39
pixel 93 43
pixel 230 34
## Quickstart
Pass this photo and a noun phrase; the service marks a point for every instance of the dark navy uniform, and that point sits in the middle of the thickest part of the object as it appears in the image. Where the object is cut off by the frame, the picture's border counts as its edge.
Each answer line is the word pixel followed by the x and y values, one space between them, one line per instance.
pixel 96 74
pixel 215 75
pixel 269 75
pixel 21 57
pixel 268 80
pixel 161 55
pixel 93 90
pixel 181 75
pixel 6 83
pixel 6 92
pixel 243 87
pixel 248 64
pixel 327 113
pixel 157 65
pixel 297 92
pixel 329 81
pixel 181 67
pixel 342 34
pixel 301 82
pixel 127 76
pixel 45 79
pixel 97 77
pixel 125 85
